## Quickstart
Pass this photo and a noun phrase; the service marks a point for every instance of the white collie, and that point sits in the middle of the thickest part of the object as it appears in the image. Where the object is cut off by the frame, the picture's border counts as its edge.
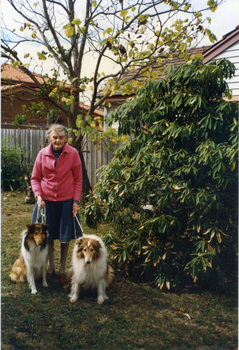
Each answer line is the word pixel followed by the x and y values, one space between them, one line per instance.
pixel 31 264
pixel 90 270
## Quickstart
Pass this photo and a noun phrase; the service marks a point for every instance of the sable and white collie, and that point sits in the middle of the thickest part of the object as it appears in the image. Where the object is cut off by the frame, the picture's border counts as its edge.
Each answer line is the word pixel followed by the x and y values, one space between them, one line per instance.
pixel 90 270
pixel 31 264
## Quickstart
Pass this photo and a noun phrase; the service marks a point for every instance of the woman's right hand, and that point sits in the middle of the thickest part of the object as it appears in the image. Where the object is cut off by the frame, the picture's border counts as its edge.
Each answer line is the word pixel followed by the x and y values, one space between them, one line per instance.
pixel 40 201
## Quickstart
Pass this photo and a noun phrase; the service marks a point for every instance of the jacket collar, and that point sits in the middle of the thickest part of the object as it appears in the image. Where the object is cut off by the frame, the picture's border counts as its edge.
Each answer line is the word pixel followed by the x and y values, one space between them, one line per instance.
pixel 48 149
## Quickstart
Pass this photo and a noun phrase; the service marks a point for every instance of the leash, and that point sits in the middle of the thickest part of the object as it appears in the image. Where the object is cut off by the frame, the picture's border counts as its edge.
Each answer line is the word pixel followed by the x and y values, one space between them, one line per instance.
pixel 43 214
pixel 76 218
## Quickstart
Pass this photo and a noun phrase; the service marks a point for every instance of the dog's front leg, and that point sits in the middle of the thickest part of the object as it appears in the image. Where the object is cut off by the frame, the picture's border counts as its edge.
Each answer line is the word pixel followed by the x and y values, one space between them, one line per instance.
pixel 101 292
pixel 31 280
pixel 44 283
pixel 75 290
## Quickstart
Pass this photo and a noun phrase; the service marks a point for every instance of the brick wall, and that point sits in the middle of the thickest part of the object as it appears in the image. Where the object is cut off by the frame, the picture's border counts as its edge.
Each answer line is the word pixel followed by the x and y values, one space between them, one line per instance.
pixel 12 106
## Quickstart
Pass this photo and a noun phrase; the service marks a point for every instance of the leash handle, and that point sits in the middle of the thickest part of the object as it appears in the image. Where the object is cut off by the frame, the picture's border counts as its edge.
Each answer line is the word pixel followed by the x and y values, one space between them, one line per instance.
pixel 43 214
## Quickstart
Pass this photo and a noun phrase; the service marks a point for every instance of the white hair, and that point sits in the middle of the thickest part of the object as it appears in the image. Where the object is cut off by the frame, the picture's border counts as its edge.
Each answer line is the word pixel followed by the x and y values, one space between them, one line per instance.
pixel 56 127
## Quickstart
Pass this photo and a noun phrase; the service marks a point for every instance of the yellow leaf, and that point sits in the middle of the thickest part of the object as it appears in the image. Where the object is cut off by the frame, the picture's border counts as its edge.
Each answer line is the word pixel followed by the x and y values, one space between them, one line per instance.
pixel 16 63
pixel 164 256
pixel 27 55
pixel 94 3
pixel 69 32
pixel 206 231
pixel 34 36
pixel 21 29
pixel 123 13
pixel 113 246
pixel 212 235
pixel 107 31
pixel 76 21
pixel 133 9
pixel 219 238
pixel 210 248
pixel 35 4
pixel 188 316
pixel 176 187
pixel 126 19
pixel 67 26
pixel 41 56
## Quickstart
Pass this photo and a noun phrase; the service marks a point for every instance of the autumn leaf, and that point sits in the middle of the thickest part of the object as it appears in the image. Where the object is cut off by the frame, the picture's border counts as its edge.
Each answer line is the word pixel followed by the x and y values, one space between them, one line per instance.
pixel 76 21
pixel 16 64
pixel 123 13
pixel 41 56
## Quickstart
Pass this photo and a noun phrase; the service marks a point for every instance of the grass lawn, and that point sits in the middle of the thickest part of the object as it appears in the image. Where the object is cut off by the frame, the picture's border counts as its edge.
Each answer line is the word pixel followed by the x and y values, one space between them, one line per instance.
pixel 135 316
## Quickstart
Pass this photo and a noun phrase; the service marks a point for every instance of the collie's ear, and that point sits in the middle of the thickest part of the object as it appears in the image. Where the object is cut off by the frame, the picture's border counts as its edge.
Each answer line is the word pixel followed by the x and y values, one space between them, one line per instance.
pixel 79 240
pixel 45 226
pixel 98 245
pixel 31 228
pixel 30 225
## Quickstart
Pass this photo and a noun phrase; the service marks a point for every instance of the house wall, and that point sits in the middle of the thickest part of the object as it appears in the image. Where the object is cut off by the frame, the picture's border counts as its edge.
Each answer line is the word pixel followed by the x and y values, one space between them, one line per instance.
pixel 10 106
pixel 232 54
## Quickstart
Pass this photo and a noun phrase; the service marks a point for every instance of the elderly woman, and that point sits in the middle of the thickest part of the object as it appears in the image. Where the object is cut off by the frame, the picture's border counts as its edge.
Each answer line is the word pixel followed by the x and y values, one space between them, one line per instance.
pixel 56 182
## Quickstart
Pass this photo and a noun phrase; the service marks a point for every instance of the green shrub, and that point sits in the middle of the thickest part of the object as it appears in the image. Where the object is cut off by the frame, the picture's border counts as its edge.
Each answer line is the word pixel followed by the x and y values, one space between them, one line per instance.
pixel 182 160
pixel 12 177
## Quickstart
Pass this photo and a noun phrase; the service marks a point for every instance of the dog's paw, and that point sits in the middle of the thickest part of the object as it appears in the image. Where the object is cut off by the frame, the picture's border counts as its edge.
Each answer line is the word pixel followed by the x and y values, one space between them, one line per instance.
pixel 45 284
pixel 73 300
pixel 34 291
pixel 100 300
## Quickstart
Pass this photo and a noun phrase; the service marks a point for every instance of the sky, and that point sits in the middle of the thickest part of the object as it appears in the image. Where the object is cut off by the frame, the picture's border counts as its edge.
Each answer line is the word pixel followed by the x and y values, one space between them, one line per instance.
pixel 223 20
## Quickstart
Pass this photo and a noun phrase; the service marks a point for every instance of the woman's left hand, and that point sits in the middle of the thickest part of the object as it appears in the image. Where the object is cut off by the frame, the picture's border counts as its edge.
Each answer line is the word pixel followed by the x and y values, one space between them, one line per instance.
pixel 75 209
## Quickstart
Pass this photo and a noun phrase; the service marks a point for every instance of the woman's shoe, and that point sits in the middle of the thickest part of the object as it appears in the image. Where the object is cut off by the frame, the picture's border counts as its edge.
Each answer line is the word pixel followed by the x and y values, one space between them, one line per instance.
pixel 48 277
pixel 62 278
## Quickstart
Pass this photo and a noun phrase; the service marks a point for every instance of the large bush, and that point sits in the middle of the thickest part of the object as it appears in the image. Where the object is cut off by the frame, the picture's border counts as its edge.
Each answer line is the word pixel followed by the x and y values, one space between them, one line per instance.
pixel 182 160
pixel 12 177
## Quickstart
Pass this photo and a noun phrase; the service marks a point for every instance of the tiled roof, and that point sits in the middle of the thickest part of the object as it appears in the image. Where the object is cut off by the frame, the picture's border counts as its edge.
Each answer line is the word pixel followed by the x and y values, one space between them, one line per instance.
pixel 175 61
pixel 227 41
pixel 8 89
pixel 16 75
pixel 85 108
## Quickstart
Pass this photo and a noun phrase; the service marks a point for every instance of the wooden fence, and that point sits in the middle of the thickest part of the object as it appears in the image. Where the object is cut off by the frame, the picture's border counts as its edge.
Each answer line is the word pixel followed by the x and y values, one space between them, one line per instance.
pixel 31 141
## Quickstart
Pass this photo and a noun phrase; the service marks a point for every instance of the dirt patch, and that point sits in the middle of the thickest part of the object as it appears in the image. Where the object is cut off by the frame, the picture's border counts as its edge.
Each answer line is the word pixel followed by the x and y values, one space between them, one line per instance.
pixel 5 217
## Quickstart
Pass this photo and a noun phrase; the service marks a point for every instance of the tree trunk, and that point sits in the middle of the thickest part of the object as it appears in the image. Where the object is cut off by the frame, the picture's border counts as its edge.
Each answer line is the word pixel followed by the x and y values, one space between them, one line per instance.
pixel 86 186
pixel 30 198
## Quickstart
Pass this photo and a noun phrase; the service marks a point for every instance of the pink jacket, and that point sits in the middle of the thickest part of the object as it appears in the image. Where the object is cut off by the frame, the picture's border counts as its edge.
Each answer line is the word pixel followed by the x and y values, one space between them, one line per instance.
pixel 61 182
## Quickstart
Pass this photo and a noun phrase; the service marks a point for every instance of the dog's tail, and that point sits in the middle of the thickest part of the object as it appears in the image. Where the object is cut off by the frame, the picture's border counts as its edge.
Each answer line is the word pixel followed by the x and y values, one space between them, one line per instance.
pixel 17 274
pixel 69 275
